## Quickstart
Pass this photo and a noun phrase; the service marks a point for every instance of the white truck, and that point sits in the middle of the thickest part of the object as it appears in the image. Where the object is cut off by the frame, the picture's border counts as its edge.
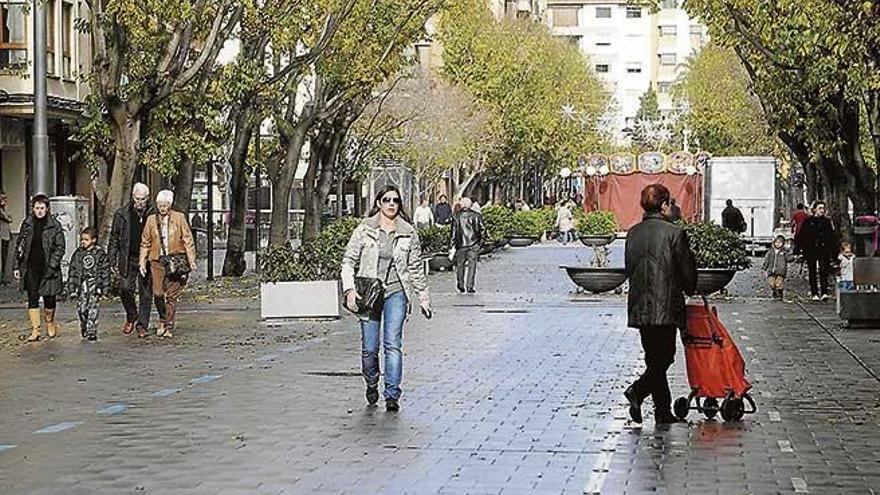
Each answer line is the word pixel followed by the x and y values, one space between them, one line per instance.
pixel 750 181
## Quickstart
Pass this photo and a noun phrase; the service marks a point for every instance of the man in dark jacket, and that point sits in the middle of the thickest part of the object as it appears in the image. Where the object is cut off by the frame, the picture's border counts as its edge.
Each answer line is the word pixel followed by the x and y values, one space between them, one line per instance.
pixel 660 267
pixel 732 218
pixel 674 211
pixel 468 233
pixel 817 240
pixel 442 211
pixel 123 251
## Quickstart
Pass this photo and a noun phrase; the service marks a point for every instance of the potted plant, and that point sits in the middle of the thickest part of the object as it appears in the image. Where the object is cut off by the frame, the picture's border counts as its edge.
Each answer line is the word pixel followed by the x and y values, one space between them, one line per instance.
pixel 596 228
pixel 498 220
pixel 526 228
pixel 435 246
pixel 304 282
pixel 719 252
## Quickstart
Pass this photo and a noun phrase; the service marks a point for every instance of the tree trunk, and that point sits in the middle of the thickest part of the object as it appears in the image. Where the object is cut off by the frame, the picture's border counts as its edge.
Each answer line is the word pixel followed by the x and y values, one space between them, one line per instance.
pixel 234 265
pixel 127 131
pixel 282 183
pixel 312 214
pixel 340 195
pixel 183 186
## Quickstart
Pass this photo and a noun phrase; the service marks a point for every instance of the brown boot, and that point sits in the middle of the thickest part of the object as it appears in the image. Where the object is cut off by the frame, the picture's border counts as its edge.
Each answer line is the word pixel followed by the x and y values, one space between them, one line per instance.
pixel 34 317
pixel 51 326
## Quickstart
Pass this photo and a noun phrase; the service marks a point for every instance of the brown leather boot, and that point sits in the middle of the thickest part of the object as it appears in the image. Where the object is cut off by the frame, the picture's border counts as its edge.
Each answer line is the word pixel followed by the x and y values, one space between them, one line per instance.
pixel 34 317
pixel 51 326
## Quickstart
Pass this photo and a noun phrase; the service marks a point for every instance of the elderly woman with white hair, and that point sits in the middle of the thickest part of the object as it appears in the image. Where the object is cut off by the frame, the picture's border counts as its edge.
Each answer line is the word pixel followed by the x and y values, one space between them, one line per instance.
pixel 167 248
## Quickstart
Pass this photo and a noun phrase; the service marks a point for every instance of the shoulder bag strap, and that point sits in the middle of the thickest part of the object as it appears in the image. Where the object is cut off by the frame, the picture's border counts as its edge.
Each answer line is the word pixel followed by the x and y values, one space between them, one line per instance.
pixel 161 237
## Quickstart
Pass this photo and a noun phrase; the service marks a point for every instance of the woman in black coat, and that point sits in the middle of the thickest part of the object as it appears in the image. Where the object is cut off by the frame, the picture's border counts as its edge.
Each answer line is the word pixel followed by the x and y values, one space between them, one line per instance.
pixel 38 254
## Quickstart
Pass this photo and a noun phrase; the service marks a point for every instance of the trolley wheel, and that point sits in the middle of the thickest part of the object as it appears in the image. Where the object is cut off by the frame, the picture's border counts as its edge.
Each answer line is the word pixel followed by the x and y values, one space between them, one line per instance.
pixel 732 409
pixel 681 407
pixel 710 407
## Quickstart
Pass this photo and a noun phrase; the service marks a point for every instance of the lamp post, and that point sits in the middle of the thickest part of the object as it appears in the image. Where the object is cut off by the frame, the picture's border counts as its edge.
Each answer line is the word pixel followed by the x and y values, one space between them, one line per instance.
pixel 44 176
pixel 210 222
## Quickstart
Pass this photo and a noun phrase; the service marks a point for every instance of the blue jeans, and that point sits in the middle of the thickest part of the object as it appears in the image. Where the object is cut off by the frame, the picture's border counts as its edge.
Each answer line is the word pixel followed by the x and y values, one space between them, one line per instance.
pixel 393 315
pixel 846 285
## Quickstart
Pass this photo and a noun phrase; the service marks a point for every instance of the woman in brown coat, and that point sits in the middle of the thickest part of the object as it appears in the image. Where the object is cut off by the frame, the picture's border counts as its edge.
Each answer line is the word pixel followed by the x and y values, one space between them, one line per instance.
pixel 166 234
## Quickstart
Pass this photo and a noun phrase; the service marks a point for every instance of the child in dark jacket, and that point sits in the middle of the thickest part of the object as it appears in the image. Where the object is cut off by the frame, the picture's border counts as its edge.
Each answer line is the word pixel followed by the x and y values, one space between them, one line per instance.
pixel 88 279
pixel 776 266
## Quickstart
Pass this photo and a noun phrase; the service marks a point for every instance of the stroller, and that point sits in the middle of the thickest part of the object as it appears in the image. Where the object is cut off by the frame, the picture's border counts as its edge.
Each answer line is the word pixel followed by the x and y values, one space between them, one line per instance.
pixel 715 368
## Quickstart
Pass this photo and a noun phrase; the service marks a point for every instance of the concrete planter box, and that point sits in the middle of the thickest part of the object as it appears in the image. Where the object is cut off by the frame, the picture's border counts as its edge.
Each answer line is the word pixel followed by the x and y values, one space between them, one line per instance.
pixel 596 280
pixel 859 309
pixel 522 240
pixel 300 299
pixel 711 280
pixel 597 240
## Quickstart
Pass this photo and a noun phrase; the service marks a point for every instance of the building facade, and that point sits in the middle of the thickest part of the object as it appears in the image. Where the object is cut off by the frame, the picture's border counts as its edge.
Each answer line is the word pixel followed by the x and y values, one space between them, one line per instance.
pixel 630 48
pixel 68 58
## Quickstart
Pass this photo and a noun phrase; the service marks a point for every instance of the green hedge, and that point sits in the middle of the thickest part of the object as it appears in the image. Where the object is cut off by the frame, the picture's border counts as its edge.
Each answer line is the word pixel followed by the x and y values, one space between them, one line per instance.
pixel 531 223
pixel 318 259
pixel 716 247
pixel 595 222
pixel 435 239
pixel 498 220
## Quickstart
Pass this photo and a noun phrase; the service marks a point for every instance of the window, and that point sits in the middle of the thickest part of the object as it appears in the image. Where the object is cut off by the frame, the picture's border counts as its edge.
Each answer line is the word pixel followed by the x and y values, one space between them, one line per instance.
pixel 670 4
pixel 603 43
pixel 574 41
pixel 633 12
pixel 634 68
pixel 603 68
pixel 603 12
pixel 664 87
pixel 13 45
pixel 565 16
pixel 50 37
pixel 67 39
pixel 696 30
pixel 667 59
pixel 669 30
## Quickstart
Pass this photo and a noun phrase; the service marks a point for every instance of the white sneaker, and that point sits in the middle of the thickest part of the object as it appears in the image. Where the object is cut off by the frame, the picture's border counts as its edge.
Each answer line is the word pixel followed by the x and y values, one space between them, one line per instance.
pixel 824 297
pixel 815 298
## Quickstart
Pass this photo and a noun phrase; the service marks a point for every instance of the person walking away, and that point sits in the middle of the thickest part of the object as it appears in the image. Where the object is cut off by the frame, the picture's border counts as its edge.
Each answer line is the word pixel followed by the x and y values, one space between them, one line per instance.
pixel 798 218
pixel 442 211
pixel 386 247
pixel 423 216
pixel 169 253
pixel 39 252
pixel 817 239
pixel 661 269
pixel 846 257
pixel 123 250
pixel 88 280
pixel 775 267
pixel 467 235
pixel 732 218
pixel 5 237
pixel 674 211
pixel 565 223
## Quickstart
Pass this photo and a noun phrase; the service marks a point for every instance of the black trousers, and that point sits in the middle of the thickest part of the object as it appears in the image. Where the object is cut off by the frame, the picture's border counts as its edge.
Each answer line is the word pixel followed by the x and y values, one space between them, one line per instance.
pixel 659 345
pixel 466 257
pixel 136 292
pixel 4 253
pixel 819 270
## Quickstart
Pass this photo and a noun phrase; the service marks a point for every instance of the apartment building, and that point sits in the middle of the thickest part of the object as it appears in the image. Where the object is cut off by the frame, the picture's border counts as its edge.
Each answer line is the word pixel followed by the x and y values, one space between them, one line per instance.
pixel 629 47
pixel 68 59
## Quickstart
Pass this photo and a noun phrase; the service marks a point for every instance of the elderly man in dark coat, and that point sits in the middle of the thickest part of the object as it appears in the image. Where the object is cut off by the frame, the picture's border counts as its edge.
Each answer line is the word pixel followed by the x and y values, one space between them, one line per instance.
pixel 661 269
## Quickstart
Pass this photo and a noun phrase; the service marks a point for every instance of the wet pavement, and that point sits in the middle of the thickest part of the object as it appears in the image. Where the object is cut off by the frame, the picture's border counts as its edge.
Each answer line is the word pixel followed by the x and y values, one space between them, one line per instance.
pixel 516 389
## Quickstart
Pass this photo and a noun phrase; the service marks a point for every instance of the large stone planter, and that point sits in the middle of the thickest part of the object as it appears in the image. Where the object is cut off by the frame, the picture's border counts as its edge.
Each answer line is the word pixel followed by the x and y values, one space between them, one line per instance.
pixel 522 240
pixel 300 299
pixel 596 280
pixel 440 262
pixel 711 280
pixel 597 240
pixel 500 243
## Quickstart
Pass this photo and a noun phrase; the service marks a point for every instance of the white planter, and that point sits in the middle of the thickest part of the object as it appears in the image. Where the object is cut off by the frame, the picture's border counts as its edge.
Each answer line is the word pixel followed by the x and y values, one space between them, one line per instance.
pixel 300 299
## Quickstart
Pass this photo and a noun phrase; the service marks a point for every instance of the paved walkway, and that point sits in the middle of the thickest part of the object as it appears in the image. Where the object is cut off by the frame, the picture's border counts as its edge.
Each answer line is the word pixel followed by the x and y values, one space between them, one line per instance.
pixel 516 389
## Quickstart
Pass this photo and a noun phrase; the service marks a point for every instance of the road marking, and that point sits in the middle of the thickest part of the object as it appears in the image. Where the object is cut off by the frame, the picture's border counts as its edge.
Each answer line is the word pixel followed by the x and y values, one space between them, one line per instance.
pixel 603 463
pixel 800 486
pixel 744 337
pixel 204 379
pixel 750 349
pixel 785 446
pixel 4 448
pixel 737 321
pixel 112 409
pixel 57 428
pixel 774 416
pixel 165 392
pixel 268 357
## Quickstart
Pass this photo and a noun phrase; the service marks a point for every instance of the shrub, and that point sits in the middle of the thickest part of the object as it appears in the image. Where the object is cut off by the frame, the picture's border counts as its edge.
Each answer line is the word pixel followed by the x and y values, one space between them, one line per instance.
pixel 716 247
pixel 546 217
pixel 595 222
pixel 528 223
pixel 498 220
pixel 434 239
pixel 318 259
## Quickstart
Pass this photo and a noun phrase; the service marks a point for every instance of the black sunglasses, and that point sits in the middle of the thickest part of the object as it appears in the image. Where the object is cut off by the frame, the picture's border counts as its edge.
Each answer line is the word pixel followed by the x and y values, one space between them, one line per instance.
pixel 387 200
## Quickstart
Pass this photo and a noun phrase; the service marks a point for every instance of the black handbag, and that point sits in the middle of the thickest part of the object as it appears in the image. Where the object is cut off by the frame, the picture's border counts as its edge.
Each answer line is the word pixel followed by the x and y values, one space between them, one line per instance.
pixel 372 292
pixel 176 265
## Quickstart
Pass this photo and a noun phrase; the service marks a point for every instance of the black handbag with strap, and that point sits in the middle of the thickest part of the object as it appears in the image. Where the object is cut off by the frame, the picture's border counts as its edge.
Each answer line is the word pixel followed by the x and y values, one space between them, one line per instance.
pixel 372 295
pixel 176 265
